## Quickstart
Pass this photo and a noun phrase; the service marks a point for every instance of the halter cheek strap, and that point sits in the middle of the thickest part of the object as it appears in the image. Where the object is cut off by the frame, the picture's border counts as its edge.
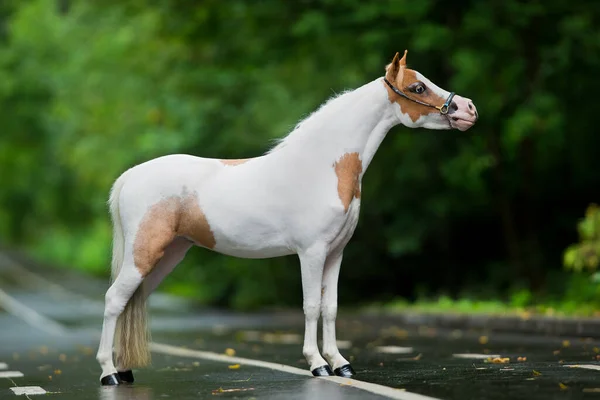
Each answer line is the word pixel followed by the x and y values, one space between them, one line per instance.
pixel 443 109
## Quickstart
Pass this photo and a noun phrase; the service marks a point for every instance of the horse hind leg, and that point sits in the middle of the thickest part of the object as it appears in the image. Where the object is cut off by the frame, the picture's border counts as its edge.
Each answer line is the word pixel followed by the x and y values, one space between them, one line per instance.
pixel 118 296
pixel 174 254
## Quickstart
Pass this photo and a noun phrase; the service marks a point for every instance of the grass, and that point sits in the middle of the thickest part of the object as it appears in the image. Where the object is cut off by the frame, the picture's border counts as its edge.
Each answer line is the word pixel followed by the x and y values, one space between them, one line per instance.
pixel 445 305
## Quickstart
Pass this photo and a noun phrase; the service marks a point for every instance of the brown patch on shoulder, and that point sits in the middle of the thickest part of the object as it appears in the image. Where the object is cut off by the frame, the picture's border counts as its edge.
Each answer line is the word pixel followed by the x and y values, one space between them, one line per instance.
pixel 235 162
pixel 348 170
pixel 414 110
pixel 175 216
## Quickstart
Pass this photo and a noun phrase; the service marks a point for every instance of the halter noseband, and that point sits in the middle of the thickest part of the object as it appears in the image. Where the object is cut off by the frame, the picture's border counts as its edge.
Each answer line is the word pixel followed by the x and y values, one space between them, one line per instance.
pixel 443 109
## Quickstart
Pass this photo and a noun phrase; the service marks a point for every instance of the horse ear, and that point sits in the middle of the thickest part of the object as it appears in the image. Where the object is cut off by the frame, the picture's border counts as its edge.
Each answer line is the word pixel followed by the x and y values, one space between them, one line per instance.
pixel 403 59
pixel 393 69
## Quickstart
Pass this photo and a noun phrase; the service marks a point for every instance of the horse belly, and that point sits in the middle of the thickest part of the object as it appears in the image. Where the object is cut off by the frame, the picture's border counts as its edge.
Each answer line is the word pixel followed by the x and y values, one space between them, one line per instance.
pixel 247 232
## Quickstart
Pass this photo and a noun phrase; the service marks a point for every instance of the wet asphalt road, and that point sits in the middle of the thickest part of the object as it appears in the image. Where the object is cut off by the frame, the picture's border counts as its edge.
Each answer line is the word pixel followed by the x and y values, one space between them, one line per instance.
pixel 64 363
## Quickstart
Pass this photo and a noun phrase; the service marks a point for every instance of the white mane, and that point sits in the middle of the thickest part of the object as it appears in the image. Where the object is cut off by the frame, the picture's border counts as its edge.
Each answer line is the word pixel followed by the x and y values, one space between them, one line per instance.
pixel 324 111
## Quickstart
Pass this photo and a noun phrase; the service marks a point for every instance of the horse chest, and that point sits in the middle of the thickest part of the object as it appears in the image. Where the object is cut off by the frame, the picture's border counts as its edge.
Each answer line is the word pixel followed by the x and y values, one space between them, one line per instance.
pixel 345 227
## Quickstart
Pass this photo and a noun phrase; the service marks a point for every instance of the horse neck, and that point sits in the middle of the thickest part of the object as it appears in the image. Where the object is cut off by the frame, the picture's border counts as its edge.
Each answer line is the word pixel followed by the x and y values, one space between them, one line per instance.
pixel 356 121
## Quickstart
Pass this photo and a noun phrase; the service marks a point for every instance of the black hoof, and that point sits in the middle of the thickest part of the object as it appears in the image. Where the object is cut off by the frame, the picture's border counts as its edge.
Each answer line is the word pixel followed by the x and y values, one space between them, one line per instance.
pixel 111 380
pixel 126 376
pixel 324 370
pixel 345 370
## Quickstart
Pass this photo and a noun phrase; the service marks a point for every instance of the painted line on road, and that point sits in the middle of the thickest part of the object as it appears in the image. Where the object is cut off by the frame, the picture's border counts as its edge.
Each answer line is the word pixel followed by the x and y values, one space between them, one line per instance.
pixel 476 356
pixel 30 316
pixel 381 390
pixel 27 390
pixel 11 374
pixel 584 366
pixel 394 349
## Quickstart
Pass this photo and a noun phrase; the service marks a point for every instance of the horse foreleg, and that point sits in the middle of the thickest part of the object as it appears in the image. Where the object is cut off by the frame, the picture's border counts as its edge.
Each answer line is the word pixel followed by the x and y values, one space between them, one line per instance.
pixel 331 272
pixel 311 265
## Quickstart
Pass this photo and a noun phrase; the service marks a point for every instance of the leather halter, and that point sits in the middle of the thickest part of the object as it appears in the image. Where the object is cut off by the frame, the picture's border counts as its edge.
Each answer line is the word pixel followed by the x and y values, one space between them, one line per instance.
pixel 443 109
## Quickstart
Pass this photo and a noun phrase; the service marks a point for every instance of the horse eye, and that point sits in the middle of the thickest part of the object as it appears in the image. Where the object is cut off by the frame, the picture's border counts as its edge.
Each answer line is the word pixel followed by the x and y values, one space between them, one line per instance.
pixel 417 88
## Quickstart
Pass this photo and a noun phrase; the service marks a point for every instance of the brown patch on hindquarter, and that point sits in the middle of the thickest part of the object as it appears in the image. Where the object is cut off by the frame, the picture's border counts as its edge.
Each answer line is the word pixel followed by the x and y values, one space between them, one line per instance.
pixel 175 216
pixel 235 162
pixel 348 170
pixel 402 78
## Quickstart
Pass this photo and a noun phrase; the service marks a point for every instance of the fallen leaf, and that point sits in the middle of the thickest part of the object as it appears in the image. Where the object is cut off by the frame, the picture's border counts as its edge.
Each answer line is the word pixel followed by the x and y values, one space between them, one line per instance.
pixel 483 339
pixel 57 372
pixel 498 360
pixel 234 366
pixel 521 359
pixel 221 390
pixel 535 373
pixel 230 352
pixel 556 352
pixel 196 364
pixel 62 357
pixel 562 386
pixel 596 350
pixel 566 343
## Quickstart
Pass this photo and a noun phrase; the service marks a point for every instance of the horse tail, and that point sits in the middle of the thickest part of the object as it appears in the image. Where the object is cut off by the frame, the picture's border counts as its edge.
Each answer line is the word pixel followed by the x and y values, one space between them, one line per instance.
pixel 118 245
pixel 132 334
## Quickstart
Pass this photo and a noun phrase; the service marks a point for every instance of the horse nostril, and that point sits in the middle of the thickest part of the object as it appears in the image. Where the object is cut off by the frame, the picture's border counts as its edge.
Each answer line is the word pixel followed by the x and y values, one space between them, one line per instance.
pixel 471 106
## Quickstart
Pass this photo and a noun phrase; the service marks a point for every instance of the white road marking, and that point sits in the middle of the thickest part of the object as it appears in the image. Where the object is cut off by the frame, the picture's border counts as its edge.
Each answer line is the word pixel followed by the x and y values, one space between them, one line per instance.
pixel 28 390
pixel 30 316
pixel 394 349
pixel 584 366
pixel 387 391
pixel 3 365
pixel 476 356
pixel 11 374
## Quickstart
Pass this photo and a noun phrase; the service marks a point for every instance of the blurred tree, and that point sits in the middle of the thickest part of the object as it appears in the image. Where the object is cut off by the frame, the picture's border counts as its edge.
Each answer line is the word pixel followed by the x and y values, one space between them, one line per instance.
pixel 88 89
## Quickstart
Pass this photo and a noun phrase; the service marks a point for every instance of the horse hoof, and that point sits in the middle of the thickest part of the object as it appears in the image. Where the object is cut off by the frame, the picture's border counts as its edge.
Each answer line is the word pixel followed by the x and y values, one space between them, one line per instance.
pixel 345 370
pixel 111 380
pixel 126 376
pixel 324 370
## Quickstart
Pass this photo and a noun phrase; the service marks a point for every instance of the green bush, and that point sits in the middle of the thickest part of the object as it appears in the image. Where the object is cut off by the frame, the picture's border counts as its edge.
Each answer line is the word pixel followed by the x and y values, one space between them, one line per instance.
pixel 585 255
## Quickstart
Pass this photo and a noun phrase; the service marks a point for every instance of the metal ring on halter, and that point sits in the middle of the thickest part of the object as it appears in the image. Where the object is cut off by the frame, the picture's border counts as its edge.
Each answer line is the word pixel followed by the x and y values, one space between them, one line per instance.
pixel 443 109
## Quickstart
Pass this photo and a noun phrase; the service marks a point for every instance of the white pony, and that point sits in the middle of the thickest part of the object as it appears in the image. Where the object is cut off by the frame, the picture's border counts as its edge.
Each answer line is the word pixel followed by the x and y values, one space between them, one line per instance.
pixel 302 197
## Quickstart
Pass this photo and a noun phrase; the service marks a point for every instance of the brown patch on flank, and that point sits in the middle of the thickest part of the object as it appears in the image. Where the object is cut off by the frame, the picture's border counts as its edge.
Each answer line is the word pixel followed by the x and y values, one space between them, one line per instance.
pixel 235 162
pixel 175 216
pixel 348 170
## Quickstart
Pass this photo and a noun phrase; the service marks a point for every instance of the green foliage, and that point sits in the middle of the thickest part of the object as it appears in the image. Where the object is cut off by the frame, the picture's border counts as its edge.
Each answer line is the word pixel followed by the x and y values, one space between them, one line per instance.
pixel 586 253
pixel 88 89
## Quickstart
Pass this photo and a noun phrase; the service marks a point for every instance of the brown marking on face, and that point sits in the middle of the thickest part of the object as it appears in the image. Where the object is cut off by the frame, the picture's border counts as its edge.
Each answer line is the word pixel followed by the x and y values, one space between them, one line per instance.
pixel 235 162
pixel 165 220
pixel 348 170
pixel 402 78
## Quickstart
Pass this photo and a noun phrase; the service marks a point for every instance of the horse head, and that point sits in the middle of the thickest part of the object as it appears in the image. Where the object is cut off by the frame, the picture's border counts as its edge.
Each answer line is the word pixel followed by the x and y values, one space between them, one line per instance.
pixel 422 104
